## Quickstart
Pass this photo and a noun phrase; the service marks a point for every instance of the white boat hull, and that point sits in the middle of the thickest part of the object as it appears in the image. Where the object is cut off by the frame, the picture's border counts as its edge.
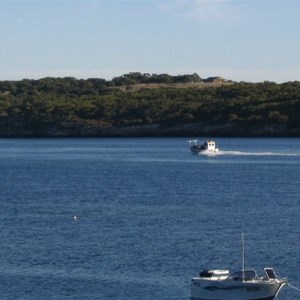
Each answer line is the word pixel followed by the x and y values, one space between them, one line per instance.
pixel 201 151
pixel 202 289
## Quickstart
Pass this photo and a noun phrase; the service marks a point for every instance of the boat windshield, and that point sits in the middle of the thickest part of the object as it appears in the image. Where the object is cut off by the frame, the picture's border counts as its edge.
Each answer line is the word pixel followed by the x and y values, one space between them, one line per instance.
pixel 246 275
pixel 270 273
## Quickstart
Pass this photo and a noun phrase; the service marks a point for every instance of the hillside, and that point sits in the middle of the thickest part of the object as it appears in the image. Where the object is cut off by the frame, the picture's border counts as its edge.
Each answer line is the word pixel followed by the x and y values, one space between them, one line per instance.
pixel 148 105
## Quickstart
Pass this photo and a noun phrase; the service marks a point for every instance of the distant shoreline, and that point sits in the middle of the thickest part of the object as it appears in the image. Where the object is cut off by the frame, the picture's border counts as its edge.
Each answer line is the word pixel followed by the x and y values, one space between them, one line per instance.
pixel 255 133
pixel 143 105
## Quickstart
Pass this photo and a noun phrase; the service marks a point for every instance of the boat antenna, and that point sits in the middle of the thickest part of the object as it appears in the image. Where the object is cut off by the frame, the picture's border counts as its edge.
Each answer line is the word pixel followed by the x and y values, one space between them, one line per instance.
pixel 243 256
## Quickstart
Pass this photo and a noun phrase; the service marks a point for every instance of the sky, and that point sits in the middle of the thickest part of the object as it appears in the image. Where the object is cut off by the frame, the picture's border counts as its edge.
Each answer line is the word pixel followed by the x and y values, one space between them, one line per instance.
pixel 240 40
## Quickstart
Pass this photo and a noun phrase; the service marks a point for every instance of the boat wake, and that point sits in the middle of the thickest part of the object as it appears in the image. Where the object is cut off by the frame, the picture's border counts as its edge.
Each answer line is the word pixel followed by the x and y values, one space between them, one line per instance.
pixel 241 153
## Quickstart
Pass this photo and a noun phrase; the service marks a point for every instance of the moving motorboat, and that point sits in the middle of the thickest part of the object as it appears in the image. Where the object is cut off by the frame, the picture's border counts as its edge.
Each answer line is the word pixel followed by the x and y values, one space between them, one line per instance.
pixel 206 147
pixel 241 285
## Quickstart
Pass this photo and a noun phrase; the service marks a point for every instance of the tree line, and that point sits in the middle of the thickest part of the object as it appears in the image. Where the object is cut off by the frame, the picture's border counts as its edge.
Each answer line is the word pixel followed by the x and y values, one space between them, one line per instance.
pixel 97 107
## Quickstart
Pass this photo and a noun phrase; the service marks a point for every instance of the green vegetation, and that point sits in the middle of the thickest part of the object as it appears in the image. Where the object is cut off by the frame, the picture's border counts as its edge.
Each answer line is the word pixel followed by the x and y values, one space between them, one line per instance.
pixel 138 104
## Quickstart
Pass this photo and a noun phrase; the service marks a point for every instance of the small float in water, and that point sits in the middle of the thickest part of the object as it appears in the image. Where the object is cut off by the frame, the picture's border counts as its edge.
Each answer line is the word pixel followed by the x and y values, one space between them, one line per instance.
pixel 206 147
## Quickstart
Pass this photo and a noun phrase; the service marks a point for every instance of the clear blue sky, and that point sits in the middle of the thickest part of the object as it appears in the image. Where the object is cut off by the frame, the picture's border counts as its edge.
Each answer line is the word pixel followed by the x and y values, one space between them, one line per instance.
pixel 240 40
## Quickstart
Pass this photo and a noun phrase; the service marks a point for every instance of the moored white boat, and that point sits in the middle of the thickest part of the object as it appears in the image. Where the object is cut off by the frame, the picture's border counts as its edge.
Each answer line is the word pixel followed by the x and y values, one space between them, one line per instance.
pixel 241 285
pixel 206 147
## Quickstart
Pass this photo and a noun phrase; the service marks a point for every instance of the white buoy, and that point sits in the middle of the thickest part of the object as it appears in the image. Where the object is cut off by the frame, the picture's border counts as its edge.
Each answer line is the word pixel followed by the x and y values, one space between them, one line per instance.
pixel 75 218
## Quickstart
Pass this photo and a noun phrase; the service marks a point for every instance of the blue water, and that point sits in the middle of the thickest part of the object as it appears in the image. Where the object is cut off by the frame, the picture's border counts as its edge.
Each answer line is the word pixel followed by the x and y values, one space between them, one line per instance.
pixel 150 215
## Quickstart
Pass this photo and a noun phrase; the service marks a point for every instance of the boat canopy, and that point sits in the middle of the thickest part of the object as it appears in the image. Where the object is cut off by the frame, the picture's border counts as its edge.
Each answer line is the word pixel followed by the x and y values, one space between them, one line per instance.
pixel 214 274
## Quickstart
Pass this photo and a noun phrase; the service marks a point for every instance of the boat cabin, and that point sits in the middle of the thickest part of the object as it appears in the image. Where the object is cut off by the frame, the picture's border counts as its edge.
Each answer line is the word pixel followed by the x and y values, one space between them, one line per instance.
pixel 210 145
pixel 241 275
pixel 246 275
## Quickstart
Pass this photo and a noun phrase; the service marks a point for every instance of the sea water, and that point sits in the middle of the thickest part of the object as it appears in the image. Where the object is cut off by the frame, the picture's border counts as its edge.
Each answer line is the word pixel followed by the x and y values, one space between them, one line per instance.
pixel 137 218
